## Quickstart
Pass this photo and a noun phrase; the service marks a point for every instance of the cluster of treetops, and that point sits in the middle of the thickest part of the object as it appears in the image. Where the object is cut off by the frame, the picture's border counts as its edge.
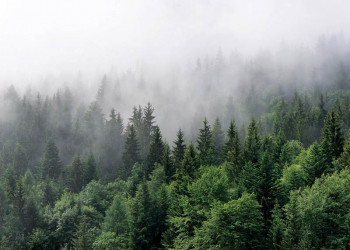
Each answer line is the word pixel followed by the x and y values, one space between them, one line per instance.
pixel 282 184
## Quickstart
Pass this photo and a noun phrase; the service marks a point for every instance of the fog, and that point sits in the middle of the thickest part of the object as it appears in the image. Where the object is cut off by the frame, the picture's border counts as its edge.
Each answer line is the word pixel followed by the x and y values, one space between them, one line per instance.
pixel 151 50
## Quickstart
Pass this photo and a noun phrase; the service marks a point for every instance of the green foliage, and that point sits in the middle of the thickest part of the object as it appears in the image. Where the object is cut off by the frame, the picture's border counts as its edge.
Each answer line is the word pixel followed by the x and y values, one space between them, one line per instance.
pixel 252 143
pixel 190 163
pixel 51 165
pixel 179 149
pixel 205 145
pixel 130 154
pixel 232 225
pixel 156 150
pixel 218 142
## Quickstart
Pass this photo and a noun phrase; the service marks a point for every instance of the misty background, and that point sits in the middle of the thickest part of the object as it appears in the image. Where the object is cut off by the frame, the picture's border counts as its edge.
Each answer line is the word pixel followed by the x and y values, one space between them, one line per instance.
pixel 190 59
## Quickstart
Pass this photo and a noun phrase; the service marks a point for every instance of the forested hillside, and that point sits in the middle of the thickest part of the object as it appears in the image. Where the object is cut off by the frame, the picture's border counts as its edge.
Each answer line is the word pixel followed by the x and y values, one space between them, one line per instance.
pixel 260 159
pixel 76 179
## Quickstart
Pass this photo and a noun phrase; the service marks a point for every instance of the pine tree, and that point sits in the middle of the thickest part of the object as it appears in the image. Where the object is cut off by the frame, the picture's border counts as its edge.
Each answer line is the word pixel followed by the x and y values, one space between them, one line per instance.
pixel 82 240
pixel 156 150
pixel 190 163
pixel 205 144
pixel 277 226
pixel 141 218
pixel 332 138
pixel 20 159
pixel 168 163
pixel 90 169
pixel 130 154
pixel 179 149
pixel 252 143
pixel 232 152
pixel 51 163
pixel 344 159
pixel 112 146
pixel 116 217
pixel 75 175
pixel 218 139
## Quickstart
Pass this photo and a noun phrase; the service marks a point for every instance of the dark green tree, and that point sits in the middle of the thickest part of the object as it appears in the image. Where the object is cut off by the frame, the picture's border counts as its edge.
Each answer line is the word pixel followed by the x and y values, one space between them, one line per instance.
pixel 51 165
pixel 190 163
pixel 156 150
pixel 141 219
pixel 205 144
pixel 20 159
pixel 75 175
pixel 179 149
pixel 252 143
pixel 168 163
pixel 89 171
pixel 218 140
pixel 130 154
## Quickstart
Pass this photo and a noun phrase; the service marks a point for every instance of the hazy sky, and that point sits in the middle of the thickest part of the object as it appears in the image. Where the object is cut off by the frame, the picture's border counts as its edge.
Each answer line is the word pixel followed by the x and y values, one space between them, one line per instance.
pixel 54 36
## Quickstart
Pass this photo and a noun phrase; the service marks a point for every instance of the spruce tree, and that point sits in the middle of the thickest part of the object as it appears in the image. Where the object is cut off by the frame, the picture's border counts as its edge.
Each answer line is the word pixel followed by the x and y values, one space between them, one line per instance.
pixel 252 143
pixel 167 162
pixel 75 175
pixel 20 159
pixel 218 140
pixel 179 149
pixel 205 144
pixel 90 169
pixel 156 150
pixel 332 138
pixel 130 154
pixel 190 163
pixel 51 163
pixel 140 219
pixel 344 159
pixel 232 152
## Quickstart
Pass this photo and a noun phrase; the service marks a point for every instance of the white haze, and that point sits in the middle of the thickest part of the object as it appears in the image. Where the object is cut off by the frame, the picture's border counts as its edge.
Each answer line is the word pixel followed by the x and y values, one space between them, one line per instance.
pixel 39 38
pixel 47 44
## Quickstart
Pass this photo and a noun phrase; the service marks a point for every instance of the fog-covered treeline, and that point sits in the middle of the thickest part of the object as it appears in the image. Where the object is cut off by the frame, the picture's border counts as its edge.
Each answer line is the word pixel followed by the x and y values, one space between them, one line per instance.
pixel 230 153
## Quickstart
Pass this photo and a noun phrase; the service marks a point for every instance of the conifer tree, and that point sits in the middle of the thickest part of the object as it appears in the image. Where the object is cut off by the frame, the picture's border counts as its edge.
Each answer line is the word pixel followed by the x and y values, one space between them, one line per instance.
pixel 252 143
pixel 75 175
pixel 344 159
pixel 156 150
pixel 20 159
pixel 190 163
pixel 179 149
pixel 218 139
pixel 205 144
pixel 141 218
pixel 332 138
pixel 232 152
pixel 112 146
pixel 51 163
pixel 130 154
pixel 116 217
pixel 90 169
pixel 167 162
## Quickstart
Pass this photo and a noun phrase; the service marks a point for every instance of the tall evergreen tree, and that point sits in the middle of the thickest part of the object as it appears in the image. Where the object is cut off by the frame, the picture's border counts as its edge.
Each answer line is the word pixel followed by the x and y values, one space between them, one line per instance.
pixel 75 175
pixel 232 152
pixel 141 219
pixel 252 143
pixel 156 150
pixel 20 159
pixel 190 163
pixel 179 149
pixel 332 137
pixel 51 163
pixel 90 169
pixel 168 163
pixel 205 144
pixel 218 139
pixel 130 154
